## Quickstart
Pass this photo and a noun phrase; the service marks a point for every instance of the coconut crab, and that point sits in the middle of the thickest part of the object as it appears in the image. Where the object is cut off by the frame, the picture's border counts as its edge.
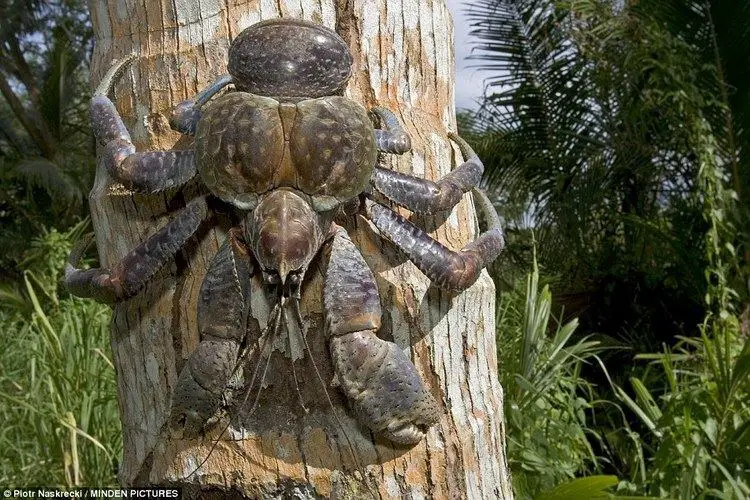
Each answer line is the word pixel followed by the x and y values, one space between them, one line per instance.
pixel 289 154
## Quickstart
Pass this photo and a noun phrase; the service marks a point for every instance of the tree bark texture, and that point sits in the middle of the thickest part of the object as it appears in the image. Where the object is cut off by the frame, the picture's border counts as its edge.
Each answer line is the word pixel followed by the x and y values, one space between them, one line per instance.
pixel 294 442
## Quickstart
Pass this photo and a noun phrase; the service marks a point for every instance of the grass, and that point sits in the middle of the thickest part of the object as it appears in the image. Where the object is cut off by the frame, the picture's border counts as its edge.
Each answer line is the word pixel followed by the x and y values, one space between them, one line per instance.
pixel 683 429
pixel 547 402
pixel 57 385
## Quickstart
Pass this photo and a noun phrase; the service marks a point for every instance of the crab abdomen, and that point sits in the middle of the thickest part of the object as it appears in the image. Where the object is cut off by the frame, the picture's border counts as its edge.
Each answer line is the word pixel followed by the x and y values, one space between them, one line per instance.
pixel 247 145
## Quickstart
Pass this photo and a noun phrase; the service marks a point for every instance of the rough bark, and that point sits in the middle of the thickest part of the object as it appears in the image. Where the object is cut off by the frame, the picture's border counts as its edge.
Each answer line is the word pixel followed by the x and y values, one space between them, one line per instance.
pixel 404 61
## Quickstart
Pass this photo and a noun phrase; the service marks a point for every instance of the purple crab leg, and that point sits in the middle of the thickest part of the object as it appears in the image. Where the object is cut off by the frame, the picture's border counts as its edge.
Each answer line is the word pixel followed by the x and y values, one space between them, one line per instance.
pixel 424 196
pixel 147 172
pixel 393 139
pixel 223 312
pixel 132 273
pixel 187 114
pixel 381 383
pixel 447 269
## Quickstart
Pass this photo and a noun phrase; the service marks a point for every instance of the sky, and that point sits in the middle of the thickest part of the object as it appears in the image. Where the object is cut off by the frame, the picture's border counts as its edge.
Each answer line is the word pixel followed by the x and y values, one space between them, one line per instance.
pixel 469 81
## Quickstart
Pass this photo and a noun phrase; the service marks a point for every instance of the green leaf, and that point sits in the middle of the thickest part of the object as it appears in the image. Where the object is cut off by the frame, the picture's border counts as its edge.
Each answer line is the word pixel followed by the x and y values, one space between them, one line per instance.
pixel 49 176
pixel 585 487
pixel 648 404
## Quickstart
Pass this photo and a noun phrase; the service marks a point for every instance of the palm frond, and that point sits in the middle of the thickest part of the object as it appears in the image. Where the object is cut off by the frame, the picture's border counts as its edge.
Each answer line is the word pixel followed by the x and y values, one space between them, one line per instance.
pixel 586 113
pixel 44 174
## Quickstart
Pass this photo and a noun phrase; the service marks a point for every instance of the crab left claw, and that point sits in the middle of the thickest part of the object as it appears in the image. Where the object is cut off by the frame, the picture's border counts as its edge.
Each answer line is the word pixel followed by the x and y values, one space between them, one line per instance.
pixel 381 383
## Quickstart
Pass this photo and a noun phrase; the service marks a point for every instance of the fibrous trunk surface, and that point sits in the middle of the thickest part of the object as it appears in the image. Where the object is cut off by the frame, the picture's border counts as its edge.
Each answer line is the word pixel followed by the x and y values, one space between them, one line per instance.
pixel 294 442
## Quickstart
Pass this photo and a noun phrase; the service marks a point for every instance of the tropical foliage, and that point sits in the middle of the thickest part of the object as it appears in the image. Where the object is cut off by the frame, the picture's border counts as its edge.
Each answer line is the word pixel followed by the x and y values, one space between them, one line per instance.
pixel 57 392
pixel 546 415
pixel 621 130
pixel 46 151
pixel 57 399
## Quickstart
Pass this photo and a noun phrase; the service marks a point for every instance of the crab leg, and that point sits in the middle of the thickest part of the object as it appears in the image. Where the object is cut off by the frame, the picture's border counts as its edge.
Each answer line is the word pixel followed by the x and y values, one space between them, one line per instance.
pixel 381 383
pixel 393 139
pixel 131 274
pixel 187 114
pixel 223 311
pixel 148 172
pixel 446 268
pixel 424 196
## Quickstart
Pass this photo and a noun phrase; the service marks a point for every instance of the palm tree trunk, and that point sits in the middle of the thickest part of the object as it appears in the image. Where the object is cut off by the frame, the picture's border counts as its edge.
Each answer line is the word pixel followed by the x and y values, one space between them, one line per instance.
pixel 404 61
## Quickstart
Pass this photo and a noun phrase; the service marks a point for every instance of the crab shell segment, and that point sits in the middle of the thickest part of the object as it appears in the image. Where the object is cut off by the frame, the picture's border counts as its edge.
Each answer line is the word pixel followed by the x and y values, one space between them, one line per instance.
pixel 288 58
pixel 285 232
pixel 247 145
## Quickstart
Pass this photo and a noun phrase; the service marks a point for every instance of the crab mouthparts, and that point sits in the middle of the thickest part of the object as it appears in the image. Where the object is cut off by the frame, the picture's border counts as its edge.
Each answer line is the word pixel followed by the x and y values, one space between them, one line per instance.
pixel 285 233
pixel 287 282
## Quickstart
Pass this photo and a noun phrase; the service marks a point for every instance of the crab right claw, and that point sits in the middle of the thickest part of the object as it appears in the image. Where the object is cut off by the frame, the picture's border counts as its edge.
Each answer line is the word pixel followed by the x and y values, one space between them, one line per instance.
pixel 381 383
pixel 223 306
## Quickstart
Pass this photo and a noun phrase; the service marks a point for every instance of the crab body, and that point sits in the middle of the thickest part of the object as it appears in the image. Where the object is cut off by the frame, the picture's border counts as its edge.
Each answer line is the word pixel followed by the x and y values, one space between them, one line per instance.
pixel 248 145
pixel 288 152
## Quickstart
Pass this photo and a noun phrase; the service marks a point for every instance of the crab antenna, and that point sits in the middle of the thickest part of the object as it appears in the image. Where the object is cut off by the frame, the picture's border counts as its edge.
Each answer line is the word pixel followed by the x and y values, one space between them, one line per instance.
pixel 274 322
pixel 105 85
pixel 358 465
pixel 294 371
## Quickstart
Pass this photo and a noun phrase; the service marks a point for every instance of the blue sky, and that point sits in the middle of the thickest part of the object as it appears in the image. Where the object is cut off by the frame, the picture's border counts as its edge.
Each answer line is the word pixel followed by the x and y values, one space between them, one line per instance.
pixel 469 82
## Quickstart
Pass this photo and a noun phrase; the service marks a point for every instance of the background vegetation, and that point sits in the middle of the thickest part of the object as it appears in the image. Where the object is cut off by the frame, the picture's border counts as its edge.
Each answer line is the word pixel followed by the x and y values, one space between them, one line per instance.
pixel 616 136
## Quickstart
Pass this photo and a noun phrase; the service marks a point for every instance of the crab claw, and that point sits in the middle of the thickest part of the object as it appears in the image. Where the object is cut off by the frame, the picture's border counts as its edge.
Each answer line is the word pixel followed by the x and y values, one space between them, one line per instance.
pixel 199 394
pixel 383 387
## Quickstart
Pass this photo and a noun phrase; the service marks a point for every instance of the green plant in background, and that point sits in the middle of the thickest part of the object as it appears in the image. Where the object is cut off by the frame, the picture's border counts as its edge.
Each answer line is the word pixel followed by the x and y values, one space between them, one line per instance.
pixel 698 423
pixel 697 433
pixel 546 399
pixel 46 146
pixel 578 126
pixel 623 127
pixel 57 388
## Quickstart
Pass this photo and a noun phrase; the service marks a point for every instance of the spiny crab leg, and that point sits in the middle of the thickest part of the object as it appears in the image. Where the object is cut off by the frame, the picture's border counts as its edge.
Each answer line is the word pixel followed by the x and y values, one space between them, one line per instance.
pixel 393 139
pixel 424 196
pixel 148 172
pixel 446 268
pixel 381 383
pixel 137 268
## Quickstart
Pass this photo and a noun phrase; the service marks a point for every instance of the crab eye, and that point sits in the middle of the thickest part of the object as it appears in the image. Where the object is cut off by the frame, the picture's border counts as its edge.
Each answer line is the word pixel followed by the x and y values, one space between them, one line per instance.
pixel 271 277
pixel 294 278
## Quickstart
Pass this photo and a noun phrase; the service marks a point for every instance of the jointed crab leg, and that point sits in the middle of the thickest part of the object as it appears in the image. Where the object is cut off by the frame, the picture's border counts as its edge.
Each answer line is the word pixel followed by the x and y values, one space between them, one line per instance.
pixel 393 139
pixel 381 383
pixel 424 196
pixel 140 264
pixel 187 114
pixel 223 311
pixel 446 268
pixel 148 172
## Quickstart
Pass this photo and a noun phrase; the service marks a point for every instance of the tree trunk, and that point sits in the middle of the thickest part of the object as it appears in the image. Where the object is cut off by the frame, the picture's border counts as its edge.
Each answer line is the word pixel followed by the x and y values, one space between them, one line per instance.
pixel 294 442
